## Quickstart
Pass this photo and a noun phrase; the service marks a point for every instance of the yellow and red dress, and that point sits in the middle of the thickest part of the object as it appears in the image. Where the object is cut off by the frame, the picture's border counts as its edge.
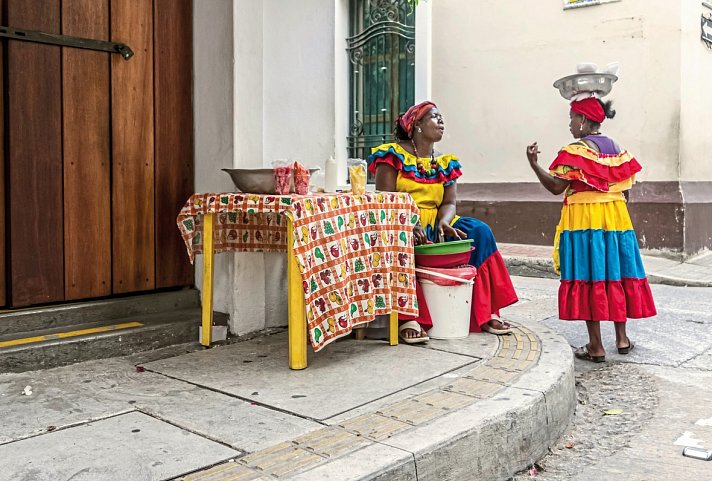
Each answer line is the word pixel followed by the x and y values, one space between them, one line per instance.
pixel 493 287
pixel 595 249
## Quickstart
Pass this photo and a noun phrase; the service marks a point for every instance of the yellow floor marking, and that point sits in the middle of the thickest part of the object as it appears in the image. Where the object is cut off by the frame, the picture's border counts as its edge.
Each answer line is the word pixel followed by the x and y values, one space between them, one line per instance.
pixel 60 335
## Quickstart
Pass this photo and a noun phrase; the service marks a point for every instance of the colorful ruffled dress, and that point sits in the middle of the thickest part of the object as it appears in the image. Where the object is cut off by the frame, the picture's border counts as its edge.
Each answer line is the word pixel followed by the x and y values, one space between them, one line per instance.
pixel 493 287
pixel 595 249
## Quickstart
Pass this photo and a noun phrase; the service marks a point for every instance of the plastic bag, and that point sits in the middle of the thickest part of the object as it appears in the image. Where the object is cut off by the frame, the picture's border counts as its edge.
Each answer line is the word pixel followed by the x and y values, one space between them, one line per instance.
pixel 357 175
pixel 282 176
pixel 301 179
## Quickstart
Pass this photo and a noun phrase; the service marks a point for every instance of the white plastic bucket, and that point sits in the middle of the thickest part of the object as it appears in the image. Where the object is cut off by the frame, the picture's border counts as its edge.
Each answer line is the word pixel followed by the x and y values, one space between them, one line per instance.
pixel 449 306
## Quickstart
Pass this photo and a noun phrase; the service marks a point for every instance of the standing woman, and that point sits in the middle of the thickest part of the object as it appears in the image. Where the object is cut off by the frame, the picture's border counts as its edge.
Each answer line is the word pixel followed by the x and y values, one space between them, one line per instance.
pixel 412 165
pixel 595 248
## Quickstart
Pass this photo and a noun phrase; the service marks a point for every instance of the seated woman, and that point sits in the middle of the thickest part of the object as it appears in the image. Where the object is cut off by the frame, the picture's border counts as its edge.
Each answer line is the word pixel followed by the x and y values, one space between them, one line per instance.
pixel 412 165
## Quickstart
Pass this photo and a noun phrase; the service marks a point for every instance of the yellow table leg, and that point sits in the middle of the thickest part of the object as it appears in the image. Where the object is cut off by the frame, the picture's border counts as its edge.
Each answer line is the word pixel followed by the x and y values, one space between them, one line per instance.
pixel 208 268
pixel 393 329
pixel 297 317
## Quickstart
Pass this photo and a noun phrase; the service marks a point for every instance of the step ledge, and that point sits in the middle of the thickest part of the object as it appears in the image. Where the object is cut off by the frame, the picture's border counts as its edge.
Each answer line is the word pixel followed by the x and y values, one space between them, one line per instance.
pixel 492 439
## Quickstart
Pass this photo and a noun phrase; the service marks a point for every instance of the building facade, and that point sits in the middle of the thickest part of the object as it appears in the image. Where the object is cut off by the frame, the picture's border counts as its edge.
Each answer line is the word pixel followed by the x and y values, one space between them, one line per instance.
pixel 272 81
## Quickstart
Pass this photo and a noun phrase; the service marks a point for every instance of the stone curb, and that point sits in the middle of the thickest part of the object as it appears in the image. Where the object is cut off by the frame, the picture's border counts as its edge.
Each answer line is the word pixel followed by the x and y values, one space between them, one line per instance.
pixel 654 278
pixel 544 268
pixel 490 439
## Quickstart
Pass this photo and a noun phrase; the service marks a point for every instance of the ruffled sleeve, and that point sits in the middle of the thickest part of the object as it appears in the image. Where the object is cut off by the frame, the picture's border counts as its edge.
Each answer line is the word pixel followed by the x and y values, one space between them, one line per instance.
pixel 579 163
pixel 446 170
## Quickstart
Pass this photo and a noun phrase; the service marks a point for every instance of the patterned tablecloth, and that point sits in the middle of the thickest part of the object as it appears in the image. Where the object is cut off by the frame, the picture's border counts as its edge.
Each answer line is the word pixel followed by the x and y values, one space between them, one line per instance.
pixel 355 252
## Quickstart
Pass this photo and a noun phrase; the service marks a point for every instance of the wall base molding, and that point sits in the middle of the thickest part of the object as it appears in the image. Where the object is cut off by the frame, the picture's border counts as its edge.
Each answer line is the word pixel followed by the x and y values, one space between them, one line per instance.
pixel 669 216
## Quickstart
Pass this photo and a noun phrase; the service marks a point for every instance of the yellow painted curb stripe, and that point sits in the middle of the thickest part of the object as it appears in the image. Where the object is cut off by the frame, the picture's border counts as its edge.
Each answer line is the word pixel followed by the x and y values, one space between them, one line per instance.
pixel 61 335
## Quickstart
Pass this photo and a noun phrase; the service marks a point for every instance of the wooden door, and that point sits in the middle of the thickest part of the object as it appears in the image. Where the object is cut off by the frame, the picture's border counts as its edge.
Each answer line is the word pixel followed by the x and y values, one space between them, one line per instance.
pixel 99 150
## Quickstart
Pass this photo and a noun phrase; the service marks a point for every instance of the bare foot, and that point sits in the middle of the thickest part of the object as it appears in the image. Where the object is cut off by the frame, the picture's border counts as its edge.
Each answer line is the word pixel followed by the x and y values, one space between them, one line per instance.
pixel 497 324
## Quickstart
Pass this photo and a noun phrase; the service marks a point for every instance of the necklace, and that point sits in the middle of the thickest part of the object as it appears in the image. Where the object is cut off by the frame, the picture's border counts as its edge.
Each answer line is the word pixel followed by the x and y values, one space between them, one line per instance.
pixel 421 168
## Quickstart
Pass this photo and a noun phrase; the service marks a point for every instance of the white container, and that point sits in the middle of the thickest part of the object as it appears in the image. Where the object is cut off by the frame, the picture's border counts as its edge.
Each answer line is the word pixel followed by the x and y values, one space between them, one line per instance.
pixel 449 308
pixel 331 175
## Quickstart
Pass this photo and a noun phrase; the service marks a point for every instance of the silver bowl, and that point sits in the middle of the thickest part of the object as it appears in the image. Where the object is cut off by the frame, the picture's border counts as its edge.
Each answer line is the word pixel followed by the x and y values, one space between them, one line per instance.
pixel 257 181
pixel 601 83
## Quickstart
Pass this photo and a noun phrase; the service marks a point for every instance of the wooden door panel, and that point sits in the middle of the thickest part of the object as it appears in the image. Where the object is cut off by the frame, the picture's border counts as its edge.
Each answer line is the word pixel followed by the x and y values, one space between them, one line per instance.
pixel 87 153
pixel 98 151
pixel 132 185
pixel 3 285
pixel 174 136
pixel 35 157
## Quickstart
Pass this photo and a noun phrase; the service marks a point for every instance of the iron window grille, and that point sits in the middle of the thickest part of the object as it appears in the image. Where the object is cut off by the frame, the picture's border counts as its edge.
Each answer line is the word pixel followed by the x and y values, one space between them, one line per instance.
pixel 381 49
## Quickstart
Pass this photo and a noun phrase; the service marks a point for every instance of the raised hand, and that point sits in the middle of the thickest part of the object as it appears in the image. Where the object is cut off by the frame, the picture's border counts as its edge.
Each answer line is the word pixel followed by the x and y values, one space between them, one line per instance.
pixel 533 152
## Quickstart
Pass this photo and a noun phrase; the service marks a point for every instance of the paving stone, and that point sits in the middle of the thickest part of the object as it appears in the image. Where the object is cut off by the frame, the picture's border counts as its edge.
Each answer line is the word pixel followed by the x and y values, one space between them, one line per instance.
pixel 339 378
pixel 131 446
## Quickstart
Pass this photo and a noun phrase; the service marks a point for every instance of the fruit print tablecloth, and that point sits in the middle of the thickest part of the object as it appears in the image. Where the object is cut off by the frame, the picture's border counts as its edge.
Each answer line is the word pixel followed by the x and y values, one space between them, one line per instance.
pixel 355 252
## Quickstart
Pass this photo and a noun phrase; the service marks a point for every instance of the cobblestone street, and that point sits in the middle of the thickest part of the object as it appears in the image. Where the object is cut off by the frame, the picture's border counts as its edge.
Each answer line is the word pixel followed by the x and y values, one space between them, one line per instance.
pixel 664 389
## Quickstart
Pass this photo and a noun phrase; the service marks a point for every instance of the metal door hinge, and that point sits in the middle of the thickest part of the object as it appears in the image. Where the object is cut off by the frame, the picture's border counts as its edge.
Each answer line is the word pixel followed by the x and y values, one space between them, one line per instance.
pixel 66 41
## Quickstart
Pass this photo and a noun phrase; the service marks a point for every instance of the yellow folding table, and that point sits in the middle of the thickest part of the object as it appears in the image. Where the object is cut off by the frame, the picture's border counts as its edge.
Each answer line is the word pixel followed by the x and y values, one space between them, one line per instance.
pixel 349 257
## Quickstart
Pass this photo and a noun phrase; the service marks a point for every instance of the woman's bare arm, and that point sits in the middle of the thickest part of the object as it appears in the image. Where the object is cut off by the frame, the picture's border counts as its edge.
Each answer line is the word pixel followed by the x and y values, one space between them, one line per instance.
pixel 386 177
pixel 446 212
pixel 553 184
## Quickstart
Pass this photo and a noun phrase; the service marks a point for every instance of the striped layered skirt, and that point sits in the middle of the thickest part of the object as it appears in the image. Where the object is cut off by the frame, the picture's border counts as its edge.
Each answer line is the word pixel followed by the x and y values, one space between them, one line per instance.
pixel 602 276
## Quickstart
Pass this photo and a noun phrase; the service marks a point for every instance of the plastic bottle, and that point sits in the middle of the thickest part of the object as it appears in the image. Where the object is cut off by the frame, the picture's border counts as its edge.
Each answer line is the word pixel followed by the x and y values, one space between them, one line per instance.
pixel 330 175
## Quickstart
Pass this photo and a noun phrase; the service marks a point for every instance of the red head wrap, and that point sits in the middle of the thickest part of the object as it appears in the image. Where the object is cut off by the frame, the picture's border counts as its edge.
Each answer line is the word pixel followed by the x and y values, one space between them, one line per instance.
pixel 589 108
pixel 412 115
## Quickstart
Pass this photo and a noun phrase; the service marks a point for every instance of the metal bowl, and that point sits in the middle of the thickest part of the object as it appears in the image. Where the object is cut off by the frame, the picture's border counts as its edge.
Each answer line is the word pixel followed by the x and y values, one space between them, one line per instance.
pixel 257 181
pixel 601 83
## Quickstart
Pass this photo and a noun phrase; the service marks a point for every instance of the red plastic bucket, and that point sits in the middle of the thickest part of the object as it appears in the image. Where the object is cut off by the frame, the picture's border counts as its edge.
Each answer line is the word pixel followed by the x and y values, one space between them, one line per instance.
pixel 443 261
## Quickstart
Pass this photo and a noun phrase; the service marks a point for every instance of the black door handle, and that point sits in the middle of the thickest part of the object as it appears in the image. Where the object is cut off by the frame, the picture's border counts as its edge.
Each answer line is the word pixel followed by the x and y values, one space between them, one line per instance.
pixel 66 41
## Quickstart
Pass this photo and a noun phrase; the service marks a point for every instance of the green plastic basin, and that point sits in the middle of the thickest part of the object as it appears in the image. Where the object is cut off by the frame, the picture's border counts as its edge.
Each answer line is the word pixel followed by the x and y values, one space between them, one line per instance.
pixel 452 247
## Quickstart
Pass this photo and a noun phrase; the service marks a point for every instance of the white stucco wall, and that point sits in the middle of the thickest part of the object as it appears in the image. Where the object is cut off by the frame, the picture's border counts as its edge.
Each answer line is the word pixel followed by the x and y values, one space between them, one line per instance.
pixel 213 120
pixel 264 89
pixel 298 80
pixel 696 98
pixel 494 63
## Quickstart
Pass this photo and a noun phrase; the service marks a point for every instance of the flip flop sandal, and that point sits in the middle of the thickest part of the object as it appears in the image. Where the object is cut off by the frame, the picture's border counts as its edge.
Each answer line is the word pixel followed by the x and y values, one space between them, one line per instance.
pixel 583 354
pixel 413 326
pixel 626 350
pixel 497 332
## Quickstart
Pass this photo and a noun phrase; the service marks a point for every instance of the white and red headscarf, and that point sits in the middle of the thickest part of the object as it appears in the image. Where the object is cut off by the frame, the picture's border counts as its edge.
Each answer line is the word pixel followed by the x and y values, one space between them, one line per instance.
pixel 590 108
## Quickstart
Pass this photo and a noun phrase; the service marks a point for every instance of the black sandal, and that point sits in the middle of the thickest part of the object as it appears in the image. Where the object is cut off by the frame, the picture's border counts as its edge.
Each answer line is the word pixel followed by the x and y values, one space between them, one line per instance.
pixel 626 350
pixel 582 353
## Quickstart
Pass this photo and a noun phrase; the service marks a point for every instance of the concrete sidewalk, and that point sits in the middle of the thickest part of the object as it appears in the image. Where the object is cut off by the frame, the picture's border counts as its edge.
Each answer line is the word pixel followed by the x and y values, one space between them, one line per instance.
pixel 483 407
pixel 536 261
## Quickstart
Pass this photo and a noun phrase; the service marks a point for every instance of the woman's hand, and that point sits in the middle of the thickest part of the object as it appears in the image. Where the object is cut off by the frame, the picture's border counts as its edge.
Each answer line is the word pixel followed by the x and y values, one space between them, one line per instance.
pixel 446 230
pixel 419 237
pixel 553 184
pixel 533 153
